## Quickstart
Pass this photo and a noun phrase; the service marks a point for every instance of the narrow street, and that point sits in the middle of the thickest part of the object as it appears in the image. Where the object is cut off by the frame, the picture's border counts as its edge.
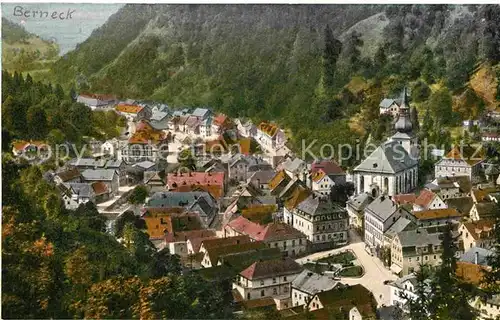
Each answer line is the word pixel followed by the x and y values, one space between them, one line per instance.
pixel 375 272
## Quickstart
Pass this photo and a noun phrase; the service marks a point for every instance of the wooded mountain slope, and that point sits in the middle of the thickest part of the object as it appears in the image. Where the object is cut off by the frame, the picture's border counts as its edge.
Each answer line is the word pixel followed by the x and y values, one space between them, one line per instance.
pixel 277 62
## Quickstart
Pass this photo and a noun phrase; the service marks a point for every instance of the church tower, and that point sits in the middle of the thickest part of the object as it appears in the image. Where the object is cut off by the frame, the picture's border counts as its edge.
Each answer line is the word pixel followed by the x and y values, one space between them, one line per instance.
pixel 404 128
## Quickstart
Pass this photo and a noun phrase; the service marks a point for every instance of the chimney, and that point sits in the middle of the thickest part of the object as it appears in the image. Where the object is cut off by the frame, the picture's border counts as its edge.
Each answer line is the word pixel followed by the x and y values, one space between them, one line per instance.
pixel 476 257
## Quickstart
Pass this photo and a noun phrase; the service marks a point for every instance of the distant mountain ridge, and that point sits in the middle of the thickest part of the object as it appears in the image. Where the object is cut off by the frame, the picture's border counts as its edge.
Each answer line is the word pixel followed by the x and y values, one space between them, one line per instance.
pixel 24 51
pixel 268 61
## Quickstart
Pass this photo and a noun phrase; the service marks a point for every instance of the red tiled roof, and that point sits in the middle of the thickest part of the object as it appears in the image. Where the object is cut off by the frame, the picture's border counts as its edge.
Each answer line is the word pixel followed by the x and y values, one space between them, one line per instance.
pixel 480 229
pixel 189 235
pixel 128 108
pixel 196 242
pixel 220 119
pixel 158 225
pixel 99 188
pixel 245 144
pixel 279 231
pixel 20 145
pixel 268 128
pixel 69 174
pixel 405 198
pixel 244 226
pixel 436 214
pixel 470 272
pixel 221 242
pixel 176 180
pixel 425 198
pixel 215 191
pixel 329 167
pixel 271 268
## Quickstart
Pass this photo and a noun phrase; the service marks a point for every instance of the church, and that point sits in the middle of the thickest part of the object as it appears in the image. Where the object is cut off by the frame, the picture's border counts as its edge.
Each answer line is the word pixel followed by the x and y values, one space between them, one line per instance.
pixel 393 167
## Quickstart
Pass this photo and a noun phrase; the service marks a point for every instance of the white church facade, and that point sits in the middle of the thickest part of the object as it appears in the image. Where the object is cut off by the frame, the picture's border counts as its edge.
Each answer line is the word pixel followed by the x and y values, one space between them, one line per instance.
pixel 393 167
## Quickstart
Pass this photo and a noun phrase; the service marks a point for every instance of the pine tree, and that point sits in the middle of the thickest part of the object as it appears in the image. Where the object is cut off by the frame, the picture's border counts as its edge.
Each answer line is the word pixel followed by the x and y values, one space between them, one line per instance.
pixel 331 53
pixel 450 300
pixel 491 280
pixel 414 119
pixel 380 58
pixel 427 126
pixel 37 123
pixel 418 307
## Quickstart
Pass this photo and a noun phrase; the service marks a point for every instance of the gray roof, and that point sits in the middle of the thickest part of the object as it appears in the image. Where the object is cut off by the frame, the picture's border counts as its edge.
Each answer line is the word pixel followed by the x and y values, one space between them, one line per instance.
pixel 386 103
pixel 360 201
pixel 399 283
pixel 171 199
pixel 159 115
pixel 400 225
pixel 204 207
pixel 382 207
pixel 98 174
pixel 494 300
pixel 419 238
pixel 491 170
pixel 145 164
pixel 390 157
pixel 463 205
pixel 250 160
pixel 81 189
pixel 266 199
pixel 200 112
pixel 114 164
pixel 314 205
pixel 292 165
pixel 401 136
pixel 470 255
pixel 87 162
pixel 313 283
pixel 159 125
pixel 263 176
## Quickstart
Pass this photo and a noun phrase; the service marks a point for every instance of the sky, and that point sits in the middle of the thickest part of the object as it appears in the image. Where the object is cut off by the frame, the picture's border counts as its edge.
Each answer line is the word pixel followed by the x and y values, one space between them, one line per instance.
pixel 68 31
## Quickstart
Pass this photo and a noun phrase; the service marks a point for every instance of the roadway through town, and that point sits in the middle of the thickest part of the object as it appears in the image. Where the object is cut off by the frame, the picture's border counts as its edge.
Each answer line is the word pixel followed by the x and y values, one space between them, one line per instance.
pixel 375 272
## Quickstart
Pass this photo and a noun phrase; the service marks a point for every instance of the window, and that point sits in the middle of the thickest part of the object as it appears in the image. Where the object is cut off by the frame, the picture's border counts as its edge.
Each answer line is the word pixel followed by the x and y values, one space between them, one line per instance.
pixel 262 293
pixel 284 278
pixel 285 289
pixel 261 282
pixel 274 280
pixel 275 291
pixel 248 296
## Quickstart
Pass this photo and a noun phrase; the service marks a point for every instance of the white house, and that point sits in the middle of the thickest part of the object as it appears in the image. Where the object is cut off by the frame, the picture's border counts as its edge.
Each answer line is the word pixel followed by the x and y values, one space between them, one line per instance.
pixel 270 136
pixel 321 220
pixel 307 284
pixel 74 194
pixel 380 215
pixel 96 101
pixel 428 200
pixel 460 161
pixel 400 288
pixel 270 278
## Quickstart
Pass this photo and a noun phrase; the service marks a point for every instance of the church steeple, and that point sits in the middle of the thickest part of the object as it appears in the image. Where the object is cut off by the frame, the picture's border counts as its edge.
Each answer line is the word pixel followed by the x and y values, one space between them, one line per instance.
pixel 403 124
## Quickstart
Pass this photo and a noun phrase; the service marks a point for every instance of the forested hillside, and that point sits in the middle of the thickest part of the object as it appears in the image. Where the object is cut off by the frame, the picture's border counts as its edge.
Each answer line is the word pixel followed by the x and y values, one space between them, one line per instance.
pixel 63 264
pixel 324 67
pixel 24 51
